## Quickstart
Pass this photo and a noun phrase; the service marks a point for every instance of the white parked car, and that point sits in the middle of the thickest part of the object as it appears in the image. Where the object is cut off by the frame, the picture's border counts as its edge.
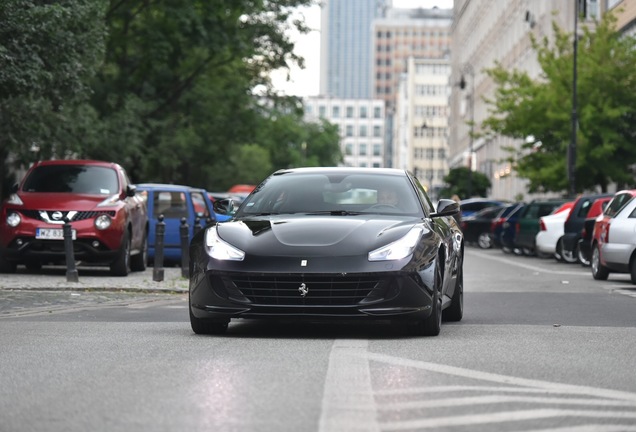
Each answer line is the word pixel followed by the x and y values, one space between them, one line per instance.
pixel 550 233
pixel 616 248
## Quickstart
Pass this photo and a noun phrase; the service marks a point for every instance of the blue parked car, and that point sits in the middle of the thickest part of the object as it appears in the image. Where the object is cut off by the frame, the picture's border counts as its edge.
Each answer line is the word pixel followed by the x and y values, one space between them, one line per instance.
pixel 509 231
pixel 175 202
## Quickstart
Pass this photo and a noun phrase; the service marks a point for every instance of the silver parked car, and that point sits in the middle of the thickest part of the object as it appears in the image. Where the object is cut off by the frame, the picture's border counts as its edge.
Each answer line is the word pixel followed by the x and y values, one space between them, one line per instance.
pixel 615 250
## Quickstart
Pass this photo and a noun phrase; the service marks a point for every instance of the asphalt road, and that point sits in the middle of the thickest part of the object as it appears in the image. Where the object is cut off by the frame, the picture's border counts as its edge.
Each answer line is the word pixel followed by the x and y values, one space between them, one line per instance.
pixel 543 347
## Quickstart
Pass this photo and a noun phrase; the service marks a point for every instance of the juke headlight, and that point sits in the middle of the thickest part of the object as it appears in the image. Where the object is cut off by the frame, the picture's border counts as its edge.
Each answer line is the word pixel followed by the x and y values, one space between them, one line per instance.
pixel 13 219
pixel 103 221
pixel 399 249
pixel 219 249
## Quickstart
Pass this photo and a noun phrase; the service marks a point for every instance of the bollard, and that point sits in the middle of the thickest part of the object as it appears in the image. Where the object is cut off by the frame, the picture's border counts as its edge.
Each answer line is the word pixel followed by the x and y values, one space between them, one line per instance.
pixel 71 270
pixel 185 243
pixel 197 226
pixel 160 230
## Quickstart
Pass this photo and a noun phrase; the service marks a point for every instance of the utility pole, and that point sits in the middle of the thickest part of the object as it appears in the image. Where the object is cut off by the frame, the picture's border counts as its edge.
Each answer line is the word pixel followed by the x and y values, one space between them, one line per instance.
pixel 468 69
pixel 571 156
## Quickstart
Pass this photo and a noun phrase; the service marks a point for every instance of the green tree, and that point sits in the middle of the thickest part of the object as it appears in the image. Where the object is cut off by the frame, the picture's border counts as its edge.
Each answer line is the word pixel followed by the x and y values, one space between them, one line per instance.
pixel 460 180
pixel 48 53
pixel 542 107
pixel 175 96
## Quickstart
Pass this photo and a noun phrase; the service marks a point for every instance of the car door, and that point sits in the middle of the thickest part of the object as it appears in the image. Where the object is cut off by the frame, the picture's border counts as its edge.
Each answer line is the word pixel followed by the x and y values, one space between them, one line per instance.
pixel 621 236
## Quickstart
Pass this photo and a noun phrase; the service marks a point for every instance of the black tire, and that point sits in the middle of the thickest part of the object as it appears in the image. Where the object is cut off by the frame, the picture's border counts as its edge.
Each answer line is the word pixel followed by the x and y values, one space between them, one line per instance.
pixel 432 325
pixel 139 261
pixel 7 266
pixel 599 271
pixel 484 241
pixel 206 327
pixel 571 257
pixel 455 312
pixel 632 270
pixel 121 265
pixel 527 251
pixel 558 254
pixel 583 258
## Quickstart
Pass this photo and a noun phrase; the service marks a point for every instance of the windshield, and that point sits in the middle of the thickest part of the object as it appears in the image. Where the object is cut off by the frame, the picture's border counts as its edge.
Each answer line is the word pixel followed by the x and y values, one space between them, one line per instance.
pixel 333 193
pixel 82 179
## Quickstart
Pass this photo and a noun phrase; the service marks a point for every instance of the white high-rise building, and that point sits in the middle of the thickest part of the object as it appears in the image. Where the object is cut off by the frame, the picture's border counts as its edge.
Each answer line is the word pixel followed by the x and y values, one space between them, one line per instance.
pixel 361 125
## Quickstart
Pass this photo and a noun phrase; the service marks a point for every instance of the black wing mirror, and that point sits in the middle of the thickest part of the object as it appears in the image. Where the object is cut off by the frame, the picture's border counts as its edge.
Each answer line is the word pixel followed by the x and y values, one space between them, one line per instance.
pixel 446 207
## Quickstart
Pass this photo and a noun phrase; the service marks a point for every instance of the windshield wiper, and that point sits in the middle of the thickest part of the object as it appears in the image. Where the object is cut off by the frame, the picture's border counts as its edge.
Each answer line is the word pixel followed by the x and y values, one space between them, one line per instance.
pixel 335 212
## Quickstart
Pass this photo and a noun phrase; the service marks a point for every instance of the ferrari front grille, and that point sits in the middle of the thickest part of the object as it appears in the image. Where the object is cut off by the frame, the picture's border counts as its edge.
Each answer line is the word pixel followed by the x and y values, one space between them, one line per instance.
pixel 307 290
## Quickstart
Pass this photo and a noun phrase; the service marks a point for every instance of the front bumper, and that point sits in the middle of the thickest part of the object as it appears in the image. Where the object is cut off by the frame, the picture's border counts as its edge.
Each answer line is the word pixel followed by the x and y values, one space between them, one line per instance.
pixel 220 296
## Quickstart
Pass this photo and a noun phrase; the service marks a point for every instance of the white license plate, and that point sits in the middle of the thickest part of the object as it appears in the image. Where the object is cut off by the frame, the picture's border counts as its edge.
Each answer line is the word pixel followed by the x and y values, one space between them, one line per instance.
pixel 52 234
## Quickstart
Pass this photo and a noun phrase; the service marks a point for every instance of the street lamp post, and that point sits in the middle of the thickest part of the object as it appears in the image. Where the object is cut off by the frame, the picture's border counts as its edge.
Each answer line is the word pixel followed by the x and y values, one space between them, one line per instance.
pixel 468 69
pixel 571 156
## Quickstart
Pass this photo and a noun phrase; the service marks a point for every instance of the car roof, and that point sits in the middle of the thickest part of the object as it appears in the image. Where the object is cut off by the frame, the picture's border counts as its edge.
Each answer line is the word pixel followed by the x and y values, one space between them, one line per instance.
pixel 342 170
pixel 167 186
pixel 76 162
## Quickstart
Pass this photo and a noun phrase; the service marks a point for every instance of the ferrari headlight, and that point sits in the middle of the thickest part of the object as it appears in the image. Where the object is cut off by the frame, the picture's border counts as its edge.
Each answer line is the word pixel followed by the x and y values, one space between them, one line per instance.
pixel 102 222
pixel 13 220
pixel 218 249
pixel 399 249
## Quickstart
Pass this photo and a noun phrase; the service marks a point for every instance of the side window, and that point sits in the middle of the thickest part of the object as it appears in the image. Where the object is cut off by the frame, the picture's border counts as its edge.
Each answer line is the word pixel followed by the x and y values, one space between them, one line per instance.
pixel 170 204
pixel 200 205
pixel 424 198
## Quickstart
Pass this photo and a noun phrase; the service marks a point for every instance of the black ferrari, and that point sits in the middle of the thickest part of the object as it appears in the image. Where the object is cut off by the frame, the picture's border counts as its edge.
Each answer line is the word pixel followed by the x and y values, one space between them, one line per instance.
pixel 330 243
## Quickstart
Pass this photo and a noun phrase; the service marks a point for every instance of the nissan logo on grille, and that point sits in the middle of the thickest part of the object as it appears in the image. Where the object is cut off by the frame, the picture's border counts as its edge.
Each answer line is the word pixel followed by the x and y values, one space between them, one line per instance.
pixel 57 215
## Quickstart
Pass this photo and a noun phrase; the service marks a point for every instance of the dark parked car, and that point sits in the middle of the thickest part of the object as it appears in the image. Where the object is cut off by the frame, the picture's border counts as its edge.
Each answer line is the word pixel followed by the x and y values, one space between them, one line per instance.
pixel 499 223
pixel 528 223
pixel 477 228
pixel 312 243
pixel 108 219
pixel 585 242
pixel 568 248
pixel 506 237
pixel 472 205
pixel 175 202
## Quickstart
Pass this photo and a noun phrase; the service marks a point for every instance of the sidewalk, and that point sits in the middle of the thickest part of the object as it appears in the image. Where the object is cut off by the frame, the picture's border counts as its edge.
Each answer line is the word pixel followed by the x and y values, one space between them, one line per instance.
pixel 95 279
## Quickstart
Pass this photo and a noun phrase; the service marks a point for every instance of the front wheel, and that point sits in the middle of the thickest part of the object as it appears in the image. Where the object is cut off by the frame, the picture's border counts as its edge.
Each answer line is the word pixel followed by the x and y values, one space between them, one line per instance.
pixel 138 262
pixel 455 312
pixel 599 271
pixel 432 325
pixel 484 240
pixel 121 265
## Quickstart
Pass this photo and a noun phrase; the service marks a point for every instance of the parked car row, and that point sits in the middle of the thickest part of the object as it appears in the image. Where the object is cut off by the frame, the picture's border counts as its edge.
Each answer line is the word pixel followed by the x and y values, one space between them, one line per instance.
pixel 596 230
pixel 113 222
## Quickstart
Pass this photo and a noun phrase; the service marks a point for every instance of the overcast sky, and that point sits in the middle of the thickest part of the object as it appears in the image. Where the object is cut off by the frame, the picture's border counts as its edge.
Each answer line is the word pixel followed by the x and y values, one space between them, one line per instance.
pixel 306 82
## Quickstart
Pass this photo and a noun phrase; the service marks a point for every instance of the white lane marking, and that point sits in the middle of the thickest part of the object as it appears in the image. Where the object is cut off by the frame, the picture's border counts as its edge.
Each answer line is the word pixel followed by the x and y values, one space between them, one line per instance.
pixel 347 401
pixel 526 266
pixel 493 399
pixel 506 416
pixel 457 388
pixel 503 379
pixel 589 428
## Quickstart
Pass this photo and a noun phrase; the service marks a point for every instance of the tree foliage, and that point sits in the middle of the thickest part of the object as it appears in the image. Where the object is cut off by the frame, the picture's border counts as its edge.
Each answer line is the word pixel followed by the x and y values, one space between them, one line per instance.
pixel 465 184
pixel 176 91
pixel 541 108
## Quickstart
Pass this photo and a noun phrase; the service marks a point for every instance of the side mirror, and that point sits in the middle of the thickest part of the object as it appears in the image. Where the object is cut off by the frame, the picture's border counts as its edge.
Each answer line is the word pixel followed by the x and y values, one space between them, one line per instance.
pixel 446 207
pixel 224 206
pixel 131 190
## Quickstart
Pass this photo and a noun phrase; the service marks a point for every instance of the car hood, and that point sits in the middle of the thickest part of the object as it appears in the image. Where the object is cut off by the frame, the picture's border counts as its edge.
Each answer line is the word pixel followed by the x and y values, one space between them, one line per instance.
pixel 60 201
pixel 315 235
